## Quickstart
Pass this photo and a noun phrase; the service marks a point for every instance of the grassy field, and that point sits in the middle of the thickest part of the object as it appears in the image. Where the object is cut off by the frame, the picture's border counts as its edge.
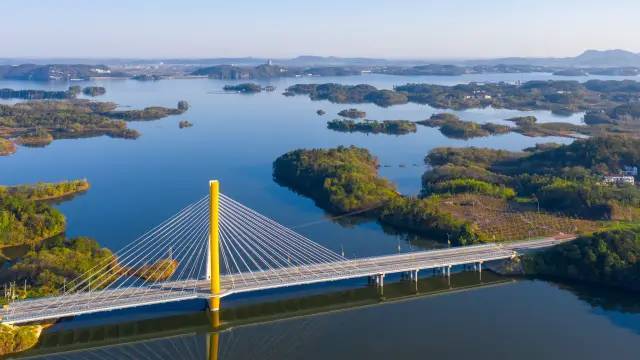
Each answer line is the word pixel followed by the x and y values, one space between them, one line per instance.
pixel 506 220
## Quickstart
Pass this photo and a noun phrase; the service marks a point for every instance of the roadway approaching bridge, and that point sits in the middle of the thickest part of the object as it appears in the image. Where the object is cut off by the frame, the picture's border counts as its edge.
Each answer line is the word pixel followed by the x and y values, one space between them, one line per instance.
pixel 217 247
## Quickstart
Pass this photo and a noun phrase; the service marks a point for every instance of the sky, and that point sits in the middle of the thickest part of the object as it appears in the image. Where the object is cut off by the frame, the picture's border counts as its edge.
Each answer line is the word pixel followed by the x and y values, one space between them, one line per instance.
pixel 443 29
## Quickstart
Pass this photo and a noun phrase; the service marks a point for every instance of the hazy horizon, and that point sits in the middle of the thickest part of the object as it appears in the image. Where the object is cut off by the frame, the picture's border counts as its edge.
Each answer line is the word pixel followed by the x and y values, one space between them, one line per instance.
pixel 294 56
pixel 407 29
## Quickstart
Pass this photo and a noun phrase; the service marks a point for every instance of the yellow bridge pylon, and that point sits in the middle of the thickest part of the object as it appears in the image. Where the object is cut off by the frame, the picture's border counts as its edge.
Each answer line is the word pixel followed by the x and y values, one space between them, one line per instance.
pixel 214 244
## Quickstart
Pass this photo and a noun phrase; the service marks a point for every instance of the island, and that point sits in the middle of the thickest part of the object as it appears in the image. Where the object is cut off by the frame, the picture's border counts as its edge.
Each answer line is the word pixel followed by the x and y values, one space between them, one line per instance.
pixel 394 127
pixel 244 88
pixel 612 105
pixel 348 94
pixel 352 113
pixel 184 124
pixel 94 91
pixel 148 113
pixel 452 126
pixel 320 112
pixel 37 123
pixel 345 179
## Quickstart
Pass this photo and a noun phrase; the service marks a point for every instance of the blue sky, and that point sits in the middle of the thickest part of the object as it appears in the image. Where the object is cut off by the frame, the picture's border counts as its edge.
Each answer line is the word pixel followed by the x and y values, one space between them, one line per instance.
pixel 373 28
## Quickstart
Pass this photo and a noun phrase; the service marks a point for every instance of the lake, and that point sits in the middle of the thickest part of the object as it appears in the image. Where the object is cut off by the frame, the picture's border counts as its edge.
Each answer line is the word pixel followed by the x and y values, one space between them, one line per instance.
pixel 135 184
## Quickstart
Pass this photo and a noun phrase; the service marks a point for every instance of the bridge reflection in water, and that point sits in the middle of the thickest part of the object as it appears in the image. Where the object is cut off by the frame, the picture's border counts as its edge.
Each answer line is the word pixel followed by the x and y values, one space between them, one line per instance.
pixel 195 335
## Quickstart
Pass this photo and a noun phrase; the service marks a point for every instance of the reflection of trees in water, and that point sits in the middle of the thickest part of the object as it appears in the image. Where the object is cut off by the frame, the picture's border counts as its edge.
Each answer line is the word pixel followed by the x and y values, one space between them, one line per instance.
pixel 178 347
pixel 608 303
pixel 604 298
pixel 281 340
pixel 416 240
pixel 287 338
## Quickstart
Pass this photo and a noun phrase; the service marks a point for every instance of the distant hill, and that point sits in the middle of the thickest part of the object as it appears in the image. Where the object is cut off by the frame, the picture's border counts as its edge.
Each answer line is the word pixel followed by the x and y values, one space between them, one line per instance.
pixel 607 58
pixel 589 58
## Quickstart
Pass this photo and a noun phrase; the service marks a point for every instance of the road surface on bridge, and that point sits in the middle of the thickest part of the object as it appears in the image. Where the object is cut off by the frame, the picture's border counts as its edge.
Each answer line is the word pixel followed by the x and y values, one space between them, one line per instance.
pixel 113 299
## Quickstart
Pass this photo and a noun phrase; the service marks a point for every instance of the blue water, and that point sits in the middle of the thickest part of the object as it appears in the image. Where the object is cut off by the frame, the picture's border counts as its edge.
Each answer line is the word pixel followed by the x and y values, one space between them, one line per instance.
pixel 135 184
pixel 235 138
pixel 522 320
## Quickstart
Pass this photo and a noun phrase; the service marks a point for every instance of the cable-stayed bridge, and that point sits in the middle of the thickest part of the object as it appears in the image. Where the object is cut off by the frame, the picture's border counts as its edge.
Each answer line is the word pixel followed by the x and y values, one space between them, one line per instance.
pixel 216 247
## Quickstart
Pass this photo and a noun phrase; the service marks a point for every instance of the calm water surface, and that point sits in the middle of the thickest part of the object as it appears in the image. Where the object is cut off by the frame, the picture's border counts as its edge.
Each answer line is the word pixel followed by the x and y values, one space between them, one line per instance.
pixel 235 138
pixel 514 320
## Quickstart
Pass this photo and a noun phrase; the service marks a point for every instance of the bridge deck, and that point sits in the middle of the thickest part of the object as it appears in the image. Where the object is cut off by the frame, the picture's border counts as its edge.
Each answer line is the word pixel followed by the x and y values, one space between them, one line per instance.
pixel 113 299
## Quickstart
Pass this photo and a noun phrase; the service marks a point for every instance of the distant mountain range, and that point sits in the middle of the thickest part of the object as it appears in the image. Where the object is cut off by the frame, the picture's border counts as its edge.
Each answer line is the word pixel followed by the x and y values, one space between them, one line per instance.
pixel 589 58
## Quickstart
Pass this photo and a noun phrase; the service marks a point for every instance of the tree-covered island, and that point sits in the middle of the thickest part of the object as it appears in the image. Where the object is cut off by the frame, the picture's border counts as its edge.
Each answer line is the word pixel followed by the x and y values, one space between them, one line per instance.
pixel 37 123
pixel 452 126
pixel 352 113
pixel 94 90
pixel 392 127
pixel 244 88
pixel 611 106
pixel 345 179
